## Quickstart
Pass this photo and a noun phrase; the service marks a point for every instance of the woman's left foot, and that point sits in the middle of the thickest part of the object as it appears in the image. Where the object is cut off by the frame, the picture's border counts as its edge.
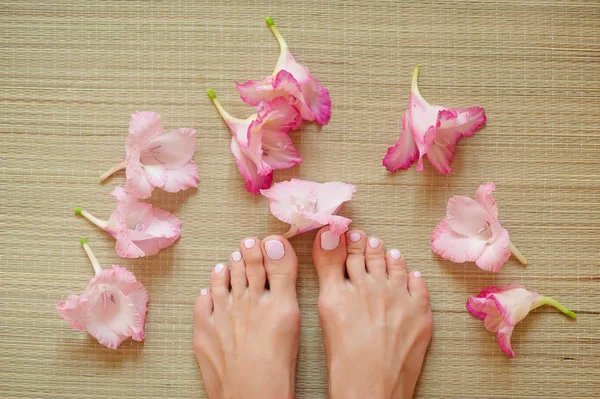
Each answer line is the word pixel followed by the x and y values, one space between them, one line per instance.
pixel 246 337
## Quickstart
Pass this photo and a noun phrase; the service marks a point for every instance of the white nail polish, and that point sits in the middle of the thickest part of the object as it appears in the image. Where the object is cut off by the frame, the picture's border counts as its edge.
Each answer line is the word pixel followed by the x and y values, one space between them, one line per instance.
pixel 203 291
pixel 219 268
pixel 329 241
pixel 249 243
pixel 236 256
pixel 417 274
pixel 373 242
pixel 395 254
pixel 355 237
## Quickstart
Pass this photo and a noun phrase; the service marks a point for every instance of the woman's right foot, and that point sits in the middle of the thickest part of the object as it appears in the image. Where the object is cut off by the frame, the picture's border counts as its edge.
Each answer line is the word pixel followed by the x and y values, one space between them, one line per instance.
pixel 377 324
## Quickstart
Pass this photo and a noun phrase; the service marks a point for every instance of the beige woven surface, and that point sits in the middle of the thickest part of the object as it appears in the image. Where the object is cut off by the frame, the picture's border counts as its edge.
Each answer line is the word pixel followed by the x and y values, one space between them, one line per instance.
pixel 71 73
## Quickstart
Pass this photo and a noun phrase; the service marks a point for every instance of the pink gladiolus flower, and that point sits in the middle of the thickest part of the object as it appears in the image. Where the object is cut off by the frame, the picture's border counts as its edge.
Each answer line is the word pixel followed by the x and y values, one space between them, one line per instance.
pixel 291 81
pixel 471 232
pixel 260 143
pixel 431 130
pixel 501 308
pixel 307 205
pixel 112 308
pixel 140 229
pixel 155 159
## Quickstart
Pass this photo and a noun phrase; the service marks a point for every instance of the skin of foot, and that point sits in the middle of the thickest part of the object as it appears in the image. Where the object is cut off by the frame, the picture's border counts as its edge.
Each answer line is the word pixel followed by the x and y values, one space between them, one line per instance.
pixel 377 323
pixel 246 336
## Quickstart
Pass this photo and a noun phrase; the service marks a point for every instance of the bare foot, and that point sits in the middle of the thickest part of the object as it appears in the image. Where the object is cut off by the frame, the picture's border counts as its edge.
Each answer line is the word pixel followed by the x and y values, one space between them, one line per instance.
pixel 377 324
pixel 246 338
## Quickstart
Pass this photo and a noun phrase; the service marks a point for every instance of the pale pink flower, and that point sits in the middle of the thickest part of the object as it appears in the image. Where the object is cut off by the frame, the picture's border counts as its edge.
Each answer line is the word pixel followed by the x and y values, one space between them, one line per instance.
pixel 307 205
pixel 292 81
pixel 140 229
pixel 261 143
pixel 157 159
pixel 501 308
pixel 112 308
pixel 431 130
pixel 471 232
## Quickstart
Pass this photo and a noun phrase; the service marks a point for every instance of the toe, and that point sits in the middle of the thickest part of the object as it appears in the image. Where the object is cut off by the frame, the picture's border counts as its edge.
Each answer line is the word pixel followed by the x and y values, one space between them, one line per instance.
pixel 281 265
pixel 219 285
pixel 375 257
pixel 239 282
pixel 396 267
pixel 418 288
pixel 255 270
pixel 356 241
pixel 329 257
pixel 203 307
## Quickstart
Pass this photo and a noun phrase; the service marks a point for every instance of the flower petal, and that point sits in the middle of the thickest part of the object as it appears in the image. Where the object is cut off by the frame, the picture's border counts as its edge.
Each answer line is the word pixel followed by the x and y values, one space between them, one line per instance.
pixel 466 216
pixel 454 246
pixel 171 150
pixel 503 335
pixel 254 181
pixel 279 151
pixel 317 100
pixel 137 181
pixel 70 311
pixel 495 253
pixel 484 197
pixel 254 91
pixel 451 126
pixel 144 126
pixel 181 178
pixel 331 195
pixel 405 152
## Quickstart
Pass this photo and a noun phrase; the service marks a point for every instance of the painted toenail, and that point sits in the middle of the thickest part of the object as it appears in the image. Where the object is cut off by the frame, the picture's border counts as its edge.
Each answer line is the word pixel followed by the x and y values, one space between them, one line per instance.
pixel 236 256
pixel 355 237
pixel 219 268
pixel 395 254
pixel 203 291
pixel 329 241
pixel 249 243
pixel 373 242
pixel 417 274
pixel 275 249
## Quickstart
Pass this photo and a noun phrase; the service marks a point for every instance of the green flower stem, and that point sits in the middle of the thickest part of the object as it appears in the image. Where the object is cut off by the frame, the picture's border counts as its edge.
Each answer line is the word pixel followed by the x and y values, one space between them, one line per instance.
pixel 224 114
pixel 103 224
pixel 90 254
pixel 275 31
pixel 553 302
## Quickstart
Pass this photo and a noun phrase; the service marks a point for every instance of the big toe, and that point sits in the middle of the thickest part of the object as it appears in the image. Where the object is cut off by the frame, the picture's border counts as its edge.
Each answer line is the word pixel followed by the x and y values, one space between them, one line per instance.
pixel 281 265
pixel 329 256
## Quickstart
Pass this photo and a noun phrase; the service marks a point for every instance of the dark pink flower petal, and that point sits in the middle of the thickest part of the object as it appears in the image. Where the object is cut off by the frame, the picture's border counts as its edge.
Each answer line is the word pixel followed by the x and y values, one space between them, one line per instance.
pixel 501 308
pixel 435 131
pixel 292 81
pixel 405 152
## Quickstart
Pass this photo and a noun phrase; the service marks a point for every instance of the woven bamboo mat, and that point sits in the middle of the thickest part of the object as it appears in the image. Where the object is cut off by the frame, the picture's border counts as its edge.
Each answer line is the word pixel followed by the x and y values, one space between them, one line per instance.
pixel 71 73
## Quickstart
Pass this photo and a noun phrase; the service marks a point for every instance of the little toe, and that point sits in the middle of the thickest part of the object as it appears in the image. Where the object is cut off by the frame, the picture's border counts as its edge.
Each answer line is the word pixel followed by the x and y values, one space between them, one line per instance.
pixel 219 285
pixel 329 256
pixel 255 270
pixel 417 287
pixel 281 265
pixel 239 282
pixel 356 242
pixel 396 267
pixel 375 257
pixel 203 307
